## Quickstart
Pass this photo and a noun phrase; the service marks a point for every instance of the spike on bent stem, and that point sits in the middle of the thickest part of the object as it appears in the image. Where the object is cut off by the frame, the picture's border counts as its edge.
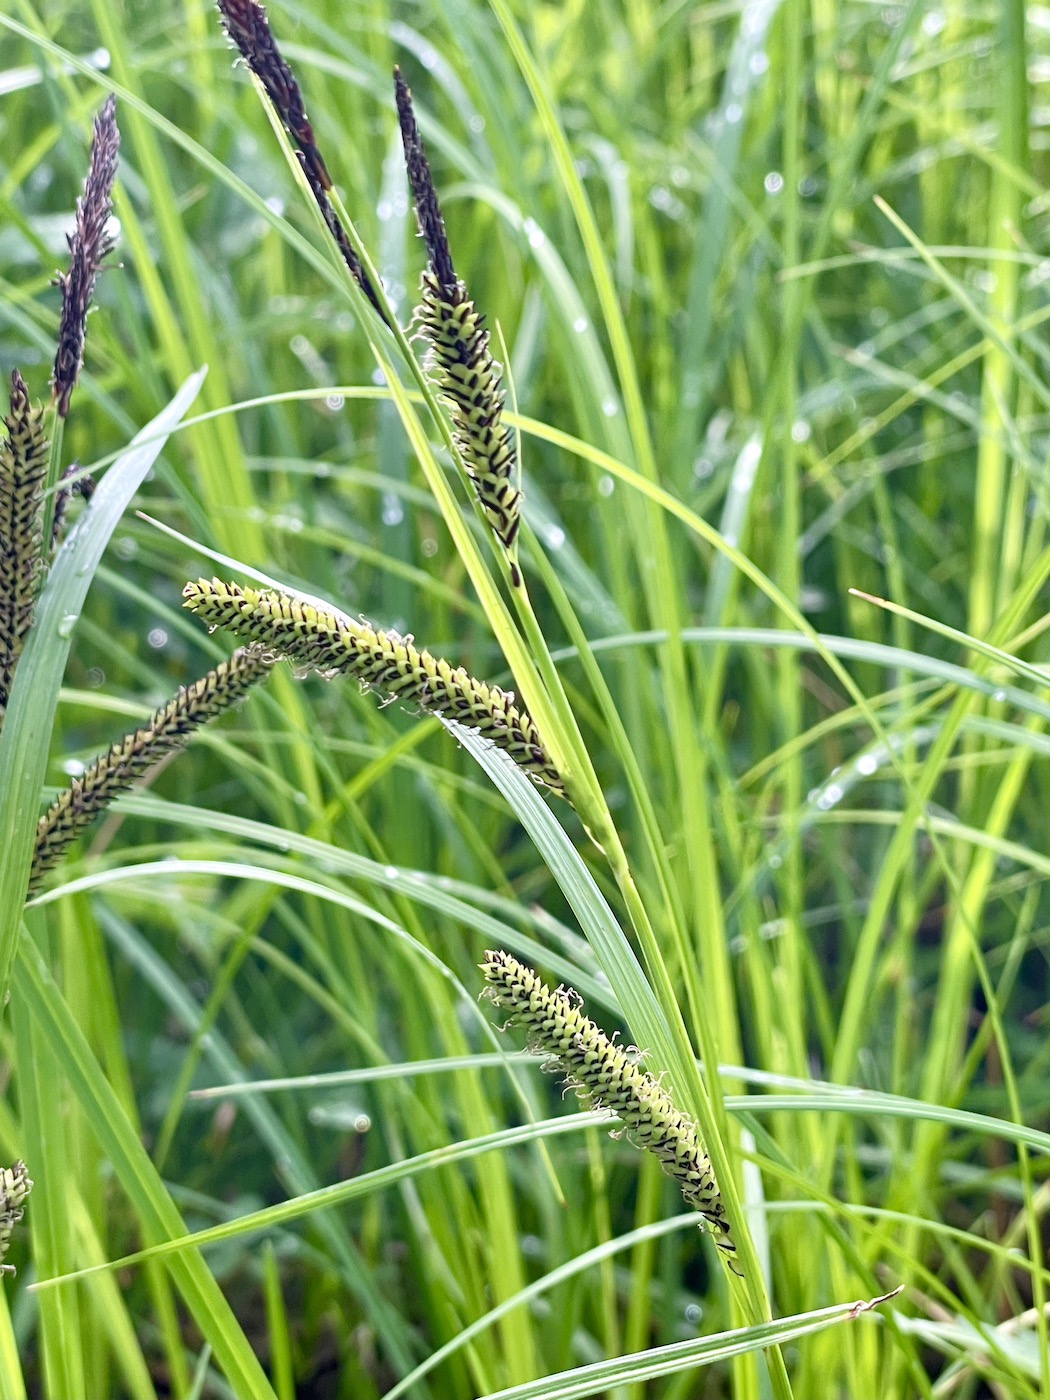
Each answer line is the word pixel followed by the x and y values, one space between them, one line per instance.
pixel 133 756
pixel 23 469
pixel 88 245
pixel 606 1076
pixel 460 360
pixel 247 25
pixel 327 640
pixel 15 1186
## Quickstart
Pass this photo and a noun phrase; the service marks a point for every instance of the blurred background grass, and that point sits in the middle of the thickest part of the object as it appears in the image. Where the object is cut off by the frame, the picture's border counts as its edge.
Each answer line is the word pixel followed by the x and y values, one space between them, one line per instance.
pixel 852 392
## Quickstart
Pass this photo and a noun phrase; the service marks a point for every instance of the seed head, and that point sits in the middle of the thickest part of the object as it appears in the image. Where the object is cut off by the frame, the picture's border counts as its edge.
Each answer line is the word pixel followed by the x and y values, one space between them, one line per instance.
pixel 604 1075
pixel 133 756
pixel 15 1186
pixel 460 360
pixel 328 640
pixel 23 468
pixel 88 245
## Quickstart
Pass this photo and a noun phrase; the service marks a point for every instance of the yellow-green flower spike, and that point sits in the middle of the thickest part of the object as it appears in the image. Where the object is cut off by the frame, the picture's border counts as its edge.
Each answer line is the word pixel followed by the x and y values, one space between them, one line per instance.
pixel 23 469
pixel 382 661
pixel 15 1186
pixel 604 1075
pixel 122 765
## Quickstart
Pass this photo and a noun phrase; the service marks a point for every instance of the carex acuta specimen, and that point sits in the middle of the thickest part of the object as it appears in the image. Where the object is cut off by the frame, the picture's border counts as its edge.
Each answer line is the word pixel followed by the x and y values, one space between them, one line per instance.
pixel 328 641
pixel 606 1076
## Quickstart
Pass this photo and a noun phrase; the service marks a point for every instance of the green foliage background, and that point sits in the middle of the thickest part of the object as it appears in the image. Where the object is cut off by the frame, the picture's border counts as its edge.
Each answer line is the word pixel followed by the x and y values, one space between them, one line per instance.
pixel 772 284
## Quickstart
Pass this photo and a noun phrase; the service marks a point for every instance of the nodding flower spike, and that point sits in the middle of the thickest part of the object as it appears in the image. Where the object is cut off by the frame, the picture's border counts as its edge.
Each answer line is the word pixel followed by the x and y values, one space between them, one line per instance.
pixel 329 641
pixel 604 1075
pixel 460 360
pixel 133 756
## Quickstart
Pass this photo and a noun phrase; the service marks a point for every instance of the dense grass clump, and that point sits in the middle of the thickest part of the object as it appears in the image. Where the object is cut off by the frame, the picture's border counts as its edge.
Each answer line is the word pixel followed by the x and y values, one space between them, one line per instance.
pixel 703 437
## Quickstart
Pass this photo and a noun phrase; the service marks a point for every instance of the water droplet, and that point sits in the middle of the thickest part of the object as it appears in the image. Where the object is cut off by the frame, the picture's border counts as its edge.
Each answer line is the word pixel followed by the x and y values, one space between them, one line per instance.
pixel 275 204
pixel 73 768
pixel 933 23
pixel 733 113
pixel 379 378
pixel 299 345
pixel 393 511
pixel 534 233
pixel 774 182
pixel 476 123
pixel 775 861
pixel 800 431
pixel 606 485
pixel 157 637
pixel 610 408
pixel 999 696
pixel 390 871
pixel 867 764
pixel 580 324
pixel 384 211
pixel 758 63
pixel 555 536
pixel 832 794
pixel 66 625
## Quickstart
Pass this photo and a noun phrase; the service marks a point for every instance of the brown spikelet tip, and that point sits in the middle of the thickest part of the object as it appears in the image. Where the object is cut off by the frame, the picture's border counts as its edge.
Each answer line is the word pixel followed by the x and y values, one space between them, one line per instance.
pixel 88 245
pixel 428 211
pixel 246 23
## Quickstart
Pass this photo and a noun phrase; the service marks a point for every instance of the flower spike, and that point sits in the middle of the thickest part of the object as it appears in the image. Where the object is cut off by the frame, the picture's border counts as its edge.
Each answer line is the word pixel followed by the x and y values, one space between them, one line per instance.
pixel 88 245
pixel 460 360
pixel 15 1186
pixel 328 640
pixel 246 24
pixel 133 756
pixel 605 1075
pixel 23 468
